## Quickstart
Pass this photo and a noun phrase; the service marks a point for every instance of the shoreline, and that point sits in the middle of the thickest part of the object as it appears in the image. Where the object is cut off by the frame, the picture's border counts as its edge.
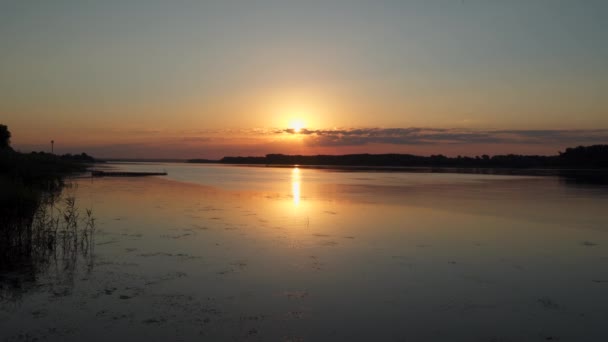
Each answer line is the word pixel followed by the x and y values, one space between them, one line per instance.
pixel 538 171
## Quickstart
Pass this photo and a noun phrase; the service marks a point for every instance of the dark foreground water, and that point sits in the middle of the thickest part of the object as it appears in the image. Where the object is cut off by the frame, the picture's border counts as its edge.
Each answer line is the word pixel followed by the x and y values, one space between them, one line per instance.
pixel 285 254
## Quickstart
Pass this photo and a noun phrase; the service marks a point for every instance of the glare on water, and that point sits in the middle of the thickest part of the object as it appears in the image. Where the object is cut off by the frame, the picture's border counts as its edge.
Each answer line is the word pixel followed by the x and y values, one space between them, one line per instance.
pixel 302 254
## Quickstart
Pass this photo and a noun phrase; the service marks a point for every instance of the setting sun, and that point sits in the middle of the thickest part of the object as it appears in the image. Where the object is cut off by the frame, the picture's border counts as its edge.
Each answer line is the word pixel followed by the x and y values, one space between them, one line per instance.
pixel 296 125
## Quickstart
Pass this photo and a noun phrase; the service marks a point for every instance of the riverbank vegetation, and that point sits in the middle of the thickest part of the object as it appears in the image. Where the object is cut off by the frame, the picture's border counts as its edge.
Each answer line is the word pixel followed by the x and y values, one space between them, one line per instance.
pixel 28 180
pixel 37 223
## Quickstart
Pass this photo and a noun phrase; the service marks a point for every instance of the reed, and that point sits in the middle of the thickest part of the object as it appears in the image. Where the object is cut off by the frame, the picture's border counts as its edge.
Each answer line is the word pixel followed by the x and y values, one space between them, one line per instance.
pixel 53 241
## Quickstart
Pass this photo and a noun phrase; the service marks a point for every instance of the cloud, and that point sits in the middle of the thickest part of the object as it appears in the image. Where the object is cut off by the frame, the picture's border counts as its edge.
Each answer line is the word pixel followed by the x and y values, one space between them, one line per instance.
pixel 429 136
pixel 196 139
pixel 259 141
pixel 138 131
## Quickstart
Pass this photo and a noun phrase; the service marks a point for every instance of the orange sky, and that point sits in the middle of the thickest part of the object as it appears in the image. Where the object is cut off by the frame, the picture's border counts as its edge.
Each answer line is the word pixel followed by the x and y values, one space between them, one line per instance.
pixel 204 80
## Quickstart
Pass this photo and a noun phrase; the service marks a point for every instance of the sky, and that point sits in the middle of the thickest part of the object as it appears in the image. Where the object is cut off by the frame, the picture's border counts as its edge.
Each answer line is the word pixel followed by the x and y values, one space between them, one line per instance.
pixel 205 79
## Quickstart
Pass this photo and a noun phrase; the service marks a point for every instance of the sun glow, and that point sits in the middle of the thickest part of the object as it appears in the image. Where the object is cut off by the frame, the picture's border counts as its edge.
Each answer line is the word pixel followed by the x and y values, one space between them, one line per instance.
pixel 296 125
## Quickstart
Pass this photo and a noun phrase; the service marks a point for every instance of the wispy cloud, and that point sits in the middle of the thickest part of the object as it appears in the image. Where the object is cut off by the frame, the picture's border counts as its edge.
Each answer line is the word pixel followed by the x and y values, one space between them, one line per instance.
pixel 196 139
pixel 210 143
pixel 418 136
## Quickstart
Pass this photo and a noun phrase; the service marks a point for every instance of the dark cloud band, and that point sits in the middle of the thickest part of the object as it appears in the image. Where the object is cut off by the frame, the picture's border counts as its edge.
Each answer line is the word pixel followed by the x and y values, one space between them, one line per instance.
pixel 418 136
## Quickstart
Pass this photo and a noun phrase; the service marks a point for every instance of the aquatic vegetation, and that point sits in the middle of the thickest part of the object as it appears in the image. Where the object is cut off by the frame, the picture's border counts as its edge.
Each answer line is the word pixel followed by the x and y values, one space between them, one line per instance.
pixel 51 239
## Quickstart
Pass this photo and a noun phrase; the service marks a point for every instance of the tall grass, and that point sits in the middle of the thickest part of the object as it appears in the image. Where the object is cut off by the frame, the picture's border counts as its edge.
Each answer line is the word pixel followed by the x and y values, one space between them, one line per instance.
pixel 50 241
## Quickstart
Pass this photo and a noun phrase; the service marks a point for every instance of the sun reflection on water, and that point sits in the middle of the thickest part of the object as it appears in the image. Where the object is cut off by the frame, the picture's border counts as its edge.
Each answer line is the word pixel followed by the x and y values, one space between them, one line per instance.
pixel 295 185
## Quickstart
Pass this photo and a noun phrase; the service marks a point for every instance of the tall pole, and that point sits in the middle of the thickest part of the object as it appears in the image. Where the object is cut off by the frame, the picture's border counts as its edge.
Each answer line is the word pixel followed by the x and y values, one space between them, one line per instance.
pixel 52 146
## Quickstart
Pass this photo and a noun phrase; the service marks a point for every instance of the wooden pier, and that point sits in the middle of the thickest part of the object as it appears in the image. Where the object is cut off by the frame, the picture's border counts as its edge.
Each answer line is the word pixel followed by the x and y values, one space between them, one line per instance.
pixel 125 174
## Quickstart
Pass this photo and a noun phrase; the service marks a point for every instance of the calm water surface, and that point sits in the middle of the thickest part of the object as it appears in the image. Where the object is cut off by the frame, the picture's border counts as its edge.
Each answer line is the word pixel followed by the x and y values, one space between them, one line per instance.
pixel 214 252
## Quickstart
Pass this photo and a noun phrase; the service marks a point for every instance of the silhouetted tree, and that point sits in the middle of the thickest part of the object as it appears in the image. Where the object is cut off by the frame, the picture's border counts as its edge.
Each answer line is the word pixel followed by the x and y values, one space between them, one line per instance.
pixel 5 137
pixel 592 156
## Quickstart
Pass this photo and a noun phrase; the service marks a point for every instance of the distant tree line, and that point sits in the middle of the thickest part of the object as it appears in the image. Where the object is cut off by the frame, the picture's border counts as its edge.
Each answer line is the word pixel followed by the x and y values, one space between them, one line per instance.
pixel 595 156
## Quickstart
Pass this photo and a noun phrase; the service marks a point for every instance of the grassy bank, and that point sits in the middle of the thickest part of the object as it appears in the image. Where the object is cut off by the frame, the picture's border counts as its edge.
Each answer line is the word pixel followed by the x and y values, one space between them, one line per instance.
pixel 28 180
pixel 33 222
